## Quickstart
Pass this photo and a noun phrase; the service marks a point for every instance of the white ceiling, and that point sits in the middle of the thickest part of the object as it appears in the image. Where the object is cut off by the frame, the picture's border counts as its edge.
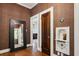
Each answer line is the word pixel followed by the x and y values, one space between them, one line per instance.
pixel 28 5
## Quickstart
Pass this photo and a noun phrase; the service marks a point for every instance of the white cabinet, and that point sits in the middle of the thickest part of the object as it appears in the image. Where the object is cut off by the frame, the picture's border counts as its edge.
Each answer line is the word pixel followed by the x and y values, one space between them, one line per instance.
pixel 63 40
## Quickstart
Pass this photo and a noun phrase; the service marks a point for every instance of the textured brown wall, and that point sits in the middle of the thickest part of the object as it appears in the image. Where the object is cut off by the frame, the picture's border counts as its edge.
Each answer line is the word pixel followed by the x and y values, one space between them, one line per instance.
pixel 12 11
pixel 65 10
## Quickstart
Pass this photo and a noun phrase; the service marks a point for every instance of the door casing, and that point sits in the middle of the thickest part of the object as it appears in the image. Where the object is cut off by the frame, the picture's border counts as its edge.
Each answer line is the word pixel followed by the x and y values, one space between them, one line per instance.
pixel 46 33
pixel 51 29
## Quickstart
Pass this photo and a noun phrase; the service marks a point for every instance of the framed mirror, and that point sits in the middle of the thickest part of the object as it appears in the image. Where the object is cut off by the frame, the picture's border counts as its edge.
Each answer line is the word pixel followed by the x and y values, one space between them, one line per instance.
pixel 17 34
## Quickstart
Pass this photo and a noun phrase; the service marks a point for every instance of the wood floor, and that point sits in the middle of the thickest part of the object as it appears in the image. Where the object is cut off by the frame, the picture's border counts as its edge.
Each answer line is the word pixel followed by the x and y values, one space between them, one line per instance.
pixel 24 52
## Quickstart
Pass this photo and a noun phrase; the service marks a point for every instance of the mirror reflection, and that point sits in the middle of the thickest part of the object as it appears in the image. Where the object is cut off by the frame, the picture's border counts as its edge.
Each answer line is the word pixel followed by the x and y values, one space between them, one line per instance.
pixel 18 35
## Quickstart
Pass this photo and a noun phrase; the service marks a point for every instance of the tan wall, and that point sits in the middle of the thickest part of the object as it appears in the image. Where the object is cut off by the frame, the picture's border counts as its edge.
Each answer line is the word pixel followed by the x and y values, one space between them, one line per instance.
pixel 65 10
pixel 12 11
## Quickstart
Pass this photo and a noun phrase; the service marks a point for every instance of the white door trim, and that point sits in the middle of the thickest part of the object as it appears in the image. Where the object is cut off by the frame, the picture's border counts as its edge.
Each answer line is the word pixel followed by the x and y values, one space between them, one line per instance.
pixel 51 29
pixel 76 29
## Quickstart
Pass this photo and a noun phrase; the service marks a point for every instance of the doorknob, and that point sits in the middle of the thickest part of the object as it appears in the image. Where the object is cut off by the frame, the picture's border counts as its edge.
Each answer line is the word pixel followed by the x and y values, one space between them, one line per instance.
pixel 48 36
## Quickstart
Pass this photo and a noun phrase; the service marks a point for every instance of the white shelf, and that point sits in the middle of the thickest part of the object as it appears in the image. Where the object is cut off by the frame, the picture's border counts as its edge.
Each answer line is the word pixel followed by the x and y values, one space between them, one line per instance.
pixel 62 40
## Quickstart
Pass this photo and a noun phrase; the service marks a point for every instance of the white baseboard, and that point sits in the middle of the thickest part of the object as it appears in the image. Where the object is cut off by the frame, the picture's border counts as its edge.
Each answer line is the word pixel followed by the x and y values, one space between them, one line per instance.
pixel 8 49
pixel 39 49
pixel 28 45
pixel 4 51
pixel 54 55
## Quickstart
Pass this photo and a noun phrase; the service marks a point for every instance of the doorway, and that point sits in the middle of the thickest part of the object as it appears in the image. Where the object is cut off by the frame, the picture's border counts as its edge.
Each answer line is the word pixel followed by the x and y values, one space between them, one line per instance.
pixel 48 27
pixel 46 33
pixel 49 12
pixel 34 27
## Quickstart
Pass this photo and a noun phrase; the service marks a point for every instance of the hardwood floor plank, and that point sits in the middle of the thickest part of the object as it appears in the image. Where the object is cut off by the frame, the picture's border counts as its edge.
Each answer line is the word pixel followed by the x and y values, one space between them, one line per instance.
pixel 24 52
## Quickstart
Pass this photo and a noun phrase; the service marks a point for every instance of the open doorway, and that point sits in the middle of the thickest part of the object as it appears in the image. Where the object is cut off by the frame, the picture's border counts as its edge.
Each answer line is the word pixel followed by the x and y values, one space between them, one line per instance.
pixel 34 27
pixel 37 21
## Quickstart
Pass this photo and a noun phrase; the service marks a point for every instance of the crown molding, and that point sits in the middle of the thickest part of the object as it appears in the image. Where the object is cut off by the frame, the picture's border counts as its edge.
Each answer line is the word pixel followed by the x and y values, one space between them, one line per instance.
pixel 27 5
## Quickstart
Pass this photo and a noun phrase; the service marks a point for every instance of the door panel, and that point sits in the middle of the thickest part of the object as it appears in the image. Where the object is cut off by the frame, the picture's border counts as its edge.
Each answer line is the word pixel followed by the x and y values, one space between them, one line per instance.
pixel 46 33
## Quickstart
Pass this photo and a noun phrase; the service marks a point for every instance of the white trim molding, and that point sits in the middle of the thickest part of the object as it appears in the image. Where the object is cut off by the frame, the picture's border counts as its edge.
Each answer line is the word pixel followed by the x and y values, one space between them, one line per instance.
pixel 4 51
pixel 27 5
pixel 76 29
pixel 39 49
pixel 28 45
pixel 51 29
